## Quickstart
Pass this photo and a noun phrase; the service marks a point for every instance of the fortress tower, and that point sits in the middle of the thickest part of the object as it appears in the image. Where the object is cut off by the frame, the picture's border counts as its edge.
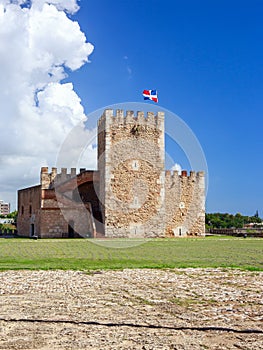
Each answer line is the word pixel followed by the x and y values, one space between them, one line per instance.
pixel 132 176
pixel 131 194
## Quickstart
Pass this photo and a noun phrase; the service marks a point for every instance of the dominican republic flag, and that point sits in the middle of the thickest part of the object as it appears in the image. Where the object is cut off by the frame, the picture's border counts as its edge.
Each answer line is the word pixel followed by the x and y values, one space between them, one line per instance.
pixel 150 95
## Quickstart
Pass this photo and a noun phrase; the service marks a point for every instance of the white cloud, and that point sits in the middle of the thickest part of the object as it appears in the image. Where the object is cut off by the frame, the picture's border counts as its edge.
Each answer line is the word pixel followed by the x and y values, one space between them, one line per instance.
pixel 37 111
pixel 70 6
pixel 177 167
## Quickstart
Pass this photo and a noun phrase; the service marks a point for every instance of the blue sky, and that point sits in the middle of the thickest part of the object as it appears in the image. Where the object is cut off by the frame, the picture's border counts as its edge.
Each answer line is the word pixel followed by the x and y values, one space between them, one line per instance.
pixel 205 60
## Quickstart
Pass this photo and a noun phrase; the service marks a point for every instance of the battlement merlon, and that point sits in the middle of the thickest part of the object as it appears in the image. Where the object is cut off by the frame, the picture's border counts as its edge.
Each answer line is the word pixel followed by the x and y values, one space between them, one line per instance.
pixel 54 171
pixel 171 176
pixel 47 178
pixel 108 118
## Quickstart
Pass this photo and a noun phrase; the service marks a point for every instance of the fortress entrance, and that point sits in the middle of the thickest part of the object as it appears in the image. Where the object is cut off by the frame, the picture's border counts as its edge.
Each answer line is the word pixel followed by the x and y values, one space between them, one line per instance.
pixel 32 230
pixel 71 231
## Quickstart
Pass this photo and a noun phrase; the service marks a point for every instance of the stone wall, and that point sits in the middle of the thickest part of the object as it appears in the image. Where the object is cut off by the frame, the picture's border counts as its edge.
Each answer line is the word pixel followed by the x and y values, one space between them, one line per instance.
pixel 131 165
pixel 63 214
pixel 53 209
pixel 185 203
pixel 48 179
pixel 55 224
pixel 138 199
pixel 29 204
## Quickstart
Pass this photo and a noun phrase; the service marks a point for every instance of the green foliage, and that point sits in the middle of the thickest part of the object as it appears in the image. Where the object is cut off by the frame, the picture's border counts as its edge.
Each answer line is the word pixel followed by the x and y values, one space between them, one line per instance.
pixel 7 227
pixel 12 215
pixel 84 254
pixel 220 220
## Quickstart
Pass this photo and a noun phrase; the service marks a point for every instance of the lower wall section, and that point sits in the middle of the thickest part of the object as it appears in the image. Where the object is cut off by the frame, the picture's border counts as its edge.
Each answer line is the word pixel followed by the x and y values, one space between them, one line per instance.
pixel 135 231
pixel 69 224
pixel 184 204
pixel 53 224
pixel 140 227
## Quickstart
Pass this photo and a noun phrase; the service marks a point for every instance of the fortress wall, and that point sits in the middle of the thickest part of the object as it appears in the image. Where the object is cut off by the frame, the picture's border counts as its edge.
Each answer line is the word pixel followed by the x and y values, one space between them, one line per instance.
pixel 48 179
pixel 29 202
pixel 132 174
pixel 185 204
pixel 137 198
pixel 54 224
pixel 59 209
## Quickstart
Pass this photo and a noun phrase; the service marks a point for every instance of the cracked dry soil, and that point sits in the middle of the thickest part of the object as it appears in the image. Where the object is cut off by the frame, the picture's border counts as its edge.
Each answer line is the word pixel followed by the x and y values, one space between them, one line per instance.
pixel 131 309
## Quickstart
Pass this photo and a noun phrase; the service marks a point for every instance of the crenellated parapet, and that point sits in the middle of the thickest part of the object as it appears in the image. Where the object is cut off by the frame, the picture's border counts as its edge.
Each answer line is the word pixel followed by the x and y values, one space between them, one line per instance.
pixel 130 117
pixel 185 201
pixel 47 178
pixel 172 175
pixel 183 182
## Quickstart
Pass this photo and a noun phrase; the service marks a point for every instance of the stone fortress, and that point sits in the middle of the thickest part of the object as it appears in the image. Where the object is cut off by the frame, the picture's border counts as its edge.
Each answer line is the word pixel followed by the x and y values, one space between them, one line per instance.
pixel 130 195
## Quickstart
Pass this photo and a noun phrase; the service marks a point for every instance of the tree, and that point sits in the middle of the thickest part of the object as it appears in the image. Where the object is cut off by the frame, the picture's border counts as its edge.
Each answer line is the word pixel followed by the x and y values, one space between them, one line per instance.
pixel 12 215
pixel 225 220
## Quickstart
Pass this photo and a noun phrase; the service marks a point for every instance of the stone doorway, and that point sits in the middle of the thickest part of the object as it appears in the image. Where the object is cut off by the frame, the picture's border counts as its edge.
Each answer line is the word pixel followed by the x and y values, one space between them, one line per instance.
pixel 71 231
pixel 32 230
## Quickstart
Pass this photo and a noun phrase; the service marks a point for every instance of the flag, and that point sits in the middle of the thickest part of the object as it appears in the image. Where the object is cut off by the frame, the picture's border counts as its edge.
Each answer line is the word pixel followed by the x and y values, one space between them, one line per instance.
pixel 150 95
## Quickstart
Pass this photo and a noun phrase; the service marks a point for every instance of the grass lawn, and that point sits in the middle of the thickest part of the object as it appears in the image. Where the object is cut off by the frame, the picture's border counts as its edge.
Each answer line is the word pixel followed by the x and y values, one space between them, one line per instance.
pixel 84 254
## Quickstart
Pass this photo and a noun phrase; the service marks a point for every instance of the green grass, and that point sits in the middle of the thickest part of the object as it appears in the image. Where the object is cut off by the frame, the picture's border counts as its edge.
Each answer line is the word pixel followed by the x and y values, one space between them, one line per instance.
pixel 83 254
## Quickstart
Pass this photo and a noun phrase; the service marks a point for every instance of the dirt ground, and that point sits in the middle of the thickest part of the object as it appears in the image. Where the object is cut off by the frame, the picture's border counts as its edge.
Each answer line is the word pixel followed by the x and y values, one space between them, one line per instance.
pixel 132 309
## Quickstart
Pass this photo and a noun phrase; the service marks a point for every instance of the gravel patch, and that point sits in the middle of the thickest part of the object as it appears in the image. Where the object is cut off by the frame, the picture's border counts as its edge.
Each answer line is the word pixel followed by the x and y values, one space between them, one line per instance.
pixel 132 309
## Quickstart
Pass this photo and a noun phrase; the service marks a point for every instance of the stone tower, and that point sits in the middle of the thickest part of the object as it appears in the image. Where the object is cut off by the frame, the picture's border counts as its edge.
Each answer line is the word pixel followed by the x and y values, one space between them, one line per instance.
pixel 131 194
pixel 132 176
